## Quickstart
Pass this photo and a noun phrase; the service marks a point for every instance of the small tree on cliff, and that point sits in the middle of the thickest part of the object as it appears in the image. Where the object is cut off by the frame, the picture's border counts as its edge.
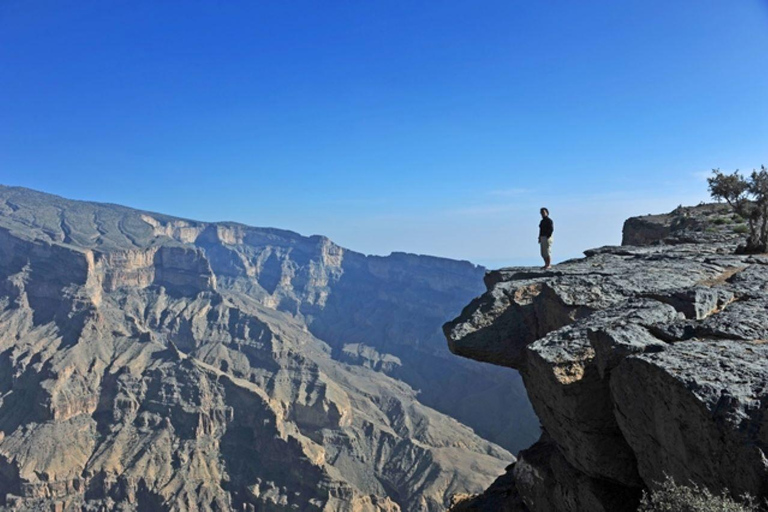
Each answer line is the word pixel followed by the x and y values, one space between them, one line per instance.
pixel 749 199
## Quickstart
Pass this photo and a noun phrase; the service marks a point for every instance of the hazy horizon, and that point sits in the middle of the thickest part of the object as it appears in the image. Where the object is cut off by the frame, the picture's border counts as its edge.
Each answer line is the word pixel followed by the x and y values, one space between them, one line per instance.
pixel 524 260
pixel 387 127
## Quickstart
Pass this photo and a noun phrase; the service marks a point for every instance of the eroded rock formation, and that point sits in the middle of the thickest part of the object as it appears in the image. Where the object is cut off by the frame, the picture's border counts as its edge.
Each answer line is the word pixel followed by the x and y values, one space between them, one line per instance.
pixel 151 363
pixel 640 361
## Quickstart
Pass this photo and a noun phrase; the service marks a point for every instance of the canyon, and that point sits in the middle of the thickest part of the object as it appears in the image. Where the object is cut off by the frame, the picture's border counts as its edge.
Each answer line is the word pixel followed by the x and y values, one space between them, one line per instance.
pixel 154 363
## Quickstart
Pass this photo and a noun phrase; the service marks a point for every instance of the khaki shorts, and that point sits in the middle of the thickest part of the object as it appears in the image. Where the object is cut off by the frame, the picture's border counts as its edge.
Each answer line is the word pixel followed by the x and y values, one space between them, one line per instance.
pixel 546 246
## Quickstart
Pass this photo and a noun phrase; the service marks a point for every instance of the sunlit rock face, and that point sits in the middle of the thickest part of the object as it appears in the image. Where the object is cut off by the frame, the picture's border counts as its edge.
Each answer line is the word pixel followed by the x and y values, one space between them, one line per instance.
pixel 640 361
pixel 155 363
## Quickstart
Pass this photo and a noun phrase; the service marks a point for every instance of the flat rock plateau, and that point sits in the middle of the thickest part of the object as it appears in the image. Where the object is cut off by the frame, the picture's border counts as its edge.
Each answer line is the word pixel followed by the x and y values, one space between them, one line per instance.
pixel 641 361
pixel 151 363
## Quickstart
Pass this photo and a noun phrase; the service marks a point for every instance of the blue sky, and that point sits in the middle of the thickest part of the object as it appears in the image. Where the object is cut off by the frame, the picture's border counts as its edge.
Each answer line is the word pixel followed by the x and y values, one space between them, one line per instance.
pixel 429 127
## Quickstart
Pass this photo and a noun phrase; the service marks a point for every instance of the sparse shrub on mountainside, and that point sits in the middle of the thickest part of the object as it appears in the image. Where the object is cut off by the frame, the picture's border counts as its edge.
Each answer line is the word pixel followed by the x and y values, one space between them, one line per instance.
pixel 741 229
pixel 672 497
pixel 749 199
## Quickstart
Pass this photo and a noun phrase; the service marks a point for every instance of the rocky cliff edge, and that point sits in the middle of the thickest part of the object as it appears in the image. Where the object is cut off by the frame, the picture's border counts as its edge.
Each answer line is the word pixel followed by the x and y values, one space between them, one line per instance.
pixel 640 360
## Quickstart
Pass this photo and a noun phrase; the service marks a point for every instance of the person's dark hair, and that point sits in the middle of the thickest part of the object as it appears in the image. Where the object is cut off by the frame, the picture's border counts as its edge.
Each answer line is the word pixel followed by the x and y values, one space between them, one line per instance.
pixel 545 210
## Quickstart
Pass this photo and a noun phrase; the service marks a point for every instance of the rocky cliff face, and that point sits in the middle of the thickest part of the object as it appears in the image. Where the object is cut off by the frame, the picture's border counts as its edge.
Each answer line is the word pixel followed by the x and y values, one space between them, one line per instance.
pixel 154 363
pixel 640 361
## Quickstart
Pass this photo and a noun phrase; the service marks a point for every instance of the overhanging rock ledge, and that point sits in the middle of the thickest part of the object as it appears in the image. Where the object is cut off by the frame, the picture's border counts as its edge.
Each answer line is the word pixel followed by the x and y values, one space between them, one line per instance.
pixel 640 360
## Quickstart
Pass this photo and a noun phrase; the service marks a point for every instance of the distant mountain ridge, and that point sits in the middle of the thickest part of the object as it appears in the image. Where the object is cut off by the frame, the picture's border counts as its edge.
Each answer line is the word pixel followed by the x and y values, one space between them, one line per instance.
pixel 183 365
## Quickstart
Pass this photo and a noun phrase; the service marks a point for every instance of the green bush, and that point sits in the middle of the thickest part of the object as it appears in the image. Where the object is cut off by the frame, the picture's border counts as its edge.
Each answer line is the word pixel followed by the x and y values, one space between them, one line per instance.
pixel 671 497
pixel 721 220
pixel 741 229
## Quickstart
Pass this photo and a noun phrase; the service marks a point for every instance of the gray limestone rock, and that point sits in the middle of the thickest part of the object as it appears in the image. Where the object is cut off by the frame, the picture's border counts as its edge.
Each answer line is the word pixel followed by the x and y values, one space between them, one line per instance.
pixel 696 412
pixel 640 361
pixel 573 403
pixel 547 482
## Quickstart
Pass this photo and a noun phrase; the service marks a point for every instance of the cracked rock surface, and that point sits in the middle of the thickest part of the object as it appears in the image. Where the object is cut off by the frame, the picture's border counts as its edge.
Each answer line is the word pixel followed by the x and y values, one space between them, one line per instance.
pixel 640 361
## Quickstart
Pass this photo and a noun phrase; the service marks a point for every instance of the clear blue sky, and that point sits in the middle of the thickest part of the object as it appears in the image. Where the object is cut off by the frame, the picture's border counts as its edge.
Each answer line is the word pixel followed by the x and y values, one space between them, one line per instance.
pixel 430 127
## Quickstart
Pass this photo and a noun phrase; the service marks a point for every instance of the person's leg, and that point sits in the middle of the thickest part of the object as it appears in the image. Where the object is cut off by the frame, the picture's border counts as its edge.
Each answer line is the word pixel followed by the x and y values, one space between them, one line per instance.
pixel 546 247
pixel 544 251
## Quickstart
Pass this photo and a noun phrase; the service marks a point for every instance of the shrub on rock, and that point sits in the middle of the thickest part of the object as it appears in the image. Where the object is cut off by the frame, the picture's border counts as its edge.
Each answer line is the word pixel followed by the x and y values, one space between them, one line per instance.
pixel 672 497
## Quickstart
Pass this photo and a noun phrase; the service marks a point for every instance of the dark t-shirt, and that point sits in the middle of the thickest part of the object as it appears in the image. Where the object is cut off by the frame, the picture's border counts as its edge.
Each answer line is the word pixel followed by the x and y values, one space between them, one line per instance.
pixel 546 227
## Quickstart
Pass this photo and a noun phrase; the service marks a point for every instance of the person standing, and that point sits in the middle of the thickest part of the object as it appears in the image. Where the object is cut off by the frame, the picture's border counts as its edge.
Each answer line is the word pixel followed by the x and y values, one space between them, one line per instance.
pixel 546 228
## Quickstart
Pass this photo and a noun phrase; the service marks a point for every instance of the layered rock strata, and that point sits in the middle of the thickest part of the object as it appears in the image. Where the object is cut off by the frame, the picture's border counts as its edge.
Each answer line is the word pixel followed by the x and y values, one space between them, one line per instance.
pixel 640 361
pixel 149 363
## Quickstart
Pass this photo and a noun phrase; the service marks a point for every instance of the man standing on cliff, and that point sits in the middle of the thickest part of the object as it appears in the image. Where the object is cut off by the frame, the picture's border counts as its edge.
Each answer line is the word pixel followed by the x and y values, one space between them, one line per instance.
pixel 546 228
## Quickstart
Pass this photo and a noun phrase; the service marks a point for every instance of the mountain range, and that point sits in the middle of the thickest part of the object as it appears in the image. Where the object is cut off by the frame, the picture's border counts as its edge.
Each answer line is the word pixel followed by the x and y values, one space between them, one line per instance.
pixel 154 363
